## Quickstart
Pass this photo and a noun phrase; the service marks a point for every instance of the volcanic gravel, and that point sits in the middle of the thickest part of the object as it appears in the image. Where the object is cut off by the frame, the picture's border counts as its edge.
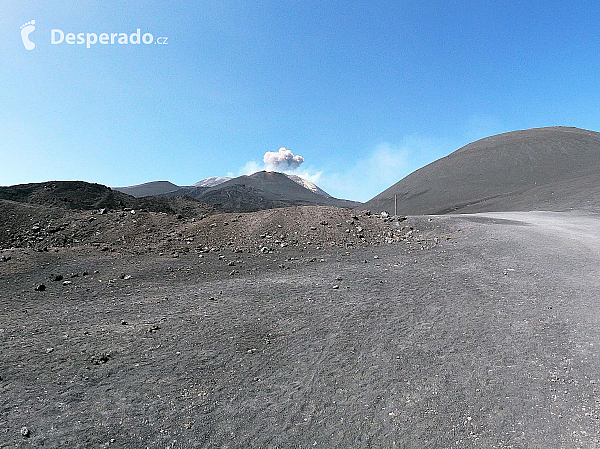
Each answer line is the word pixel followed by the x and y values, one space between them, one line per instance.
pixel 475 331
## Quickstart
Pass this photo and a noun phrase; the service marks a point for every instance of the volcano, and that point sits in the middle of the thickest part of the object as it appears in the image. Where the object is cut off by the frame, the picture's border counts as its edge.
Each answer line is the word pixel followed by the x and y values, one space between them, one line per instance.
pixel 553 169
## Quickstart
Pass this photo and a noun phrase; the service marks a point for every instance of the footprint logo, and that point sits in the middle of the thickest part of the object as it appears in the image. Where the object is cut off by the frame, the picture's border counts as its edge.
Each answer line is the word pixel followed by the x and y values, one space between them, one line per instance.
pixel 26 30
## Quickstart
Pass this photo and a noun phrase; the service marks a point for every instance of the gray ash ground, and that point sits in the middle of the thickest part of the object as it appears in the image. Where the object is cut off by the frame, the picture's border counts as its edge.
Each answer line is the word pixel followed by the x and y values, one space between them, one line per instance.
pixel 463 332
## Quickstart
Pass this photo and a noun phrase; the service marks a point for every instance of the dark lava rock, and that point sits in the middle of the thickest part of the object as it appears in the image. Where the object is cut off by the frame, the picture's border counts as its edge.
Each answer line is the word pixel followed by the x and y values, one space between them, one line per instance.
pixel 99 359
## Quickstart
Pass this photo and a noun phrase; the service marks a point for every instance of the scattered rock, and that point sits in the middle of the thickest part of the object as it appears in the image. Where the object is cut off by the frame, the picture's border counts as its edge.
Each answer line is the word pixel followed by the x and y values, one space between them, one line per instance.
pixel 336 287
pixel 25 432
pixel 102 211
pixel 40 288
pixel 49 350
pixel 67 283
pixel 99 359
pixel 57 278
pixel 5 258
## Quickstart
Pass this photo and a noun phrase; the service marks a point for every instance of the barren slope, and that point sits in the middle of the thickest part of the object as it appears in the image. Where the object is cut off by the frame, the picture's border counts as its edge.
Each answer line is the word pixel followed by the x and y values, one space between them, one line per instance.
pixel 153 188
pixel 481 333
pixel 537 169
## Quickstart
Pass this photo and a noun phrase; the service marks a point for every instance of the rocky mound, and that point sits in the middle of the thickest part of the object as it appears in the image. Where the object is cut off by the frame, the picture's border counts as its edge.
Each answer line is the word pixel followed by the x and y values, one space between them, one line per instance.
pixel 538 169
pixel 307 226
pixel 141 231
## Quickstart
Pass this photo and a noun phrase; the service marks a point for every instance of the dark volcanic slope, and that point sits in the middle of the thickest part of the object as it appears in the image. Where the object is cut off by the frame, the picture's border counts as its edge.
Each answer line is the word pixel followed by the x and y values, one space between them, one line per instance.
pixel 538 169
pixel 79 195
pixel 262 190
pixel 149 189
pixel 76 195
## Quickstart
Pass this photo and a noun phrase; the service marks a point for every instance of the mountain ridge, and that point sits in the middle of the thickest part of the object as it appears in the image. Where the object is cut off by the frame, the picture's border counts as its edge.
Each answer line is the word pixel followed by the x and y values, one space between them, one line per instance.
pixel 260 190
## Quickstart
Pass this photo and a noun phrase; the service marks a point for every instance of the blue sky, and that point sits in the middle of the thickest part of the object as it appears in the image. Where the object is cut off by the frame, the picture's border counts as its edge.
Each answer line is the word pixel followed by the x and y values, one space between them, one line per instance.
pixel 366 91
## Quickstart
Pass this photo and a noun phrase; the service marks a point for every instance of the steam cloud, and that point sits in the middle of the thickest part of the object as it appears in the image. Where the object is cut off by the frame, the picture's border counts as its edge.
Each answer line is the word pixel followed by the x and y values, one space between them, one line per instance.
pixel 282 160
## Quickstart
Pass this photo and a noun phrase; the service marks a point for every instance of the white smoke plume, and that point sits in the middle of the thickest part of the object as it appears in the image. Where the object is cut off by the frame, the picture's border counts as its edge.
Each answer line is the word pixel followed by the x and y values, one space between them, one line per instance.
pixel 282 160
